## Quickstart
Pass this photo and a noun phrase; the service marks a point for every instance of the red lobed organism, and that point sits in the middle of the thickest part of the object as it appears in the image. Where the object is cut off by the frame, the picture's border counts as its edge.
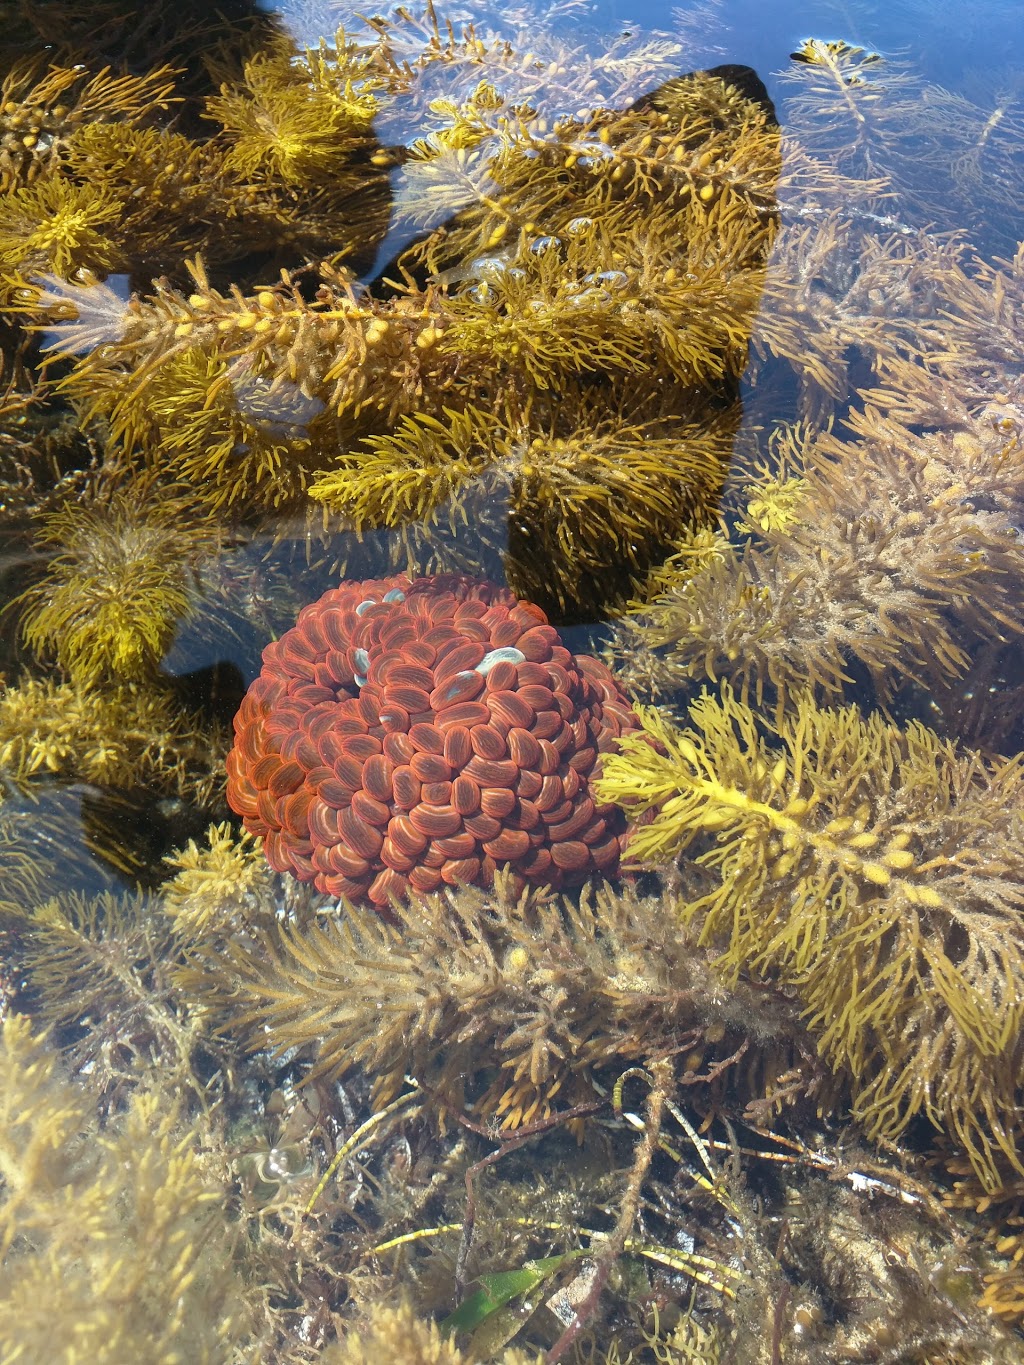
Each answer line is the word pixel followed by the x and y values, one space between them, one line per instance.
pixel 411 733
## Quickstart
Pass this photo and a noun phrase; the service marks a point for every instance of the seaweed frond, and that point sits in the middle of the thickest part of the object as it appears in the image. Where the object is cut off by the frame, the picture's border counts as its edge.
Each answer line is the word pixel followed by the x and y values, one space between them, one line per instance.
pixel 101 966
pixel 41 111
pixel 56 225
pixel 235 435
pixel 490 1002
pixel 497 174
pixel 895 554
pixel 239 394
pixel 121 1229
pixel 120 581
pixel 570 503
pixel 46 843
pixel 843 103
pixel 172 192
pixel 114 737
pixel 297 116
pixel 397 1333
pixel 870 869
pixel 215 888
pixel 409 474
pixel 937 152
pixel 1003 1234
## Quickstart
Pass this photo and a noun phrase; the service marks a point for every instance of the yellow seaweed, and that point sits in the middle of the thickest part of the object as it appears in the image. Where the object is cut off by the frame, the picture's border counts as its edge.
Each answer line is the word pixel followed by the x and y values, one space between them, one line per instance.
pixel 872 870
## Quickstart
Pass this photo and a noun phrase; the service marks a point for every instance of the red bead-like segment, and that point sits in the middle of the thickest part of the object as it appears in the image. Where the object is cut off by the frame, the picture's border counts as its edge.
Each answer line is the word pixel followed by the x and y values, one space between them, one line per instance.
pixel 373 757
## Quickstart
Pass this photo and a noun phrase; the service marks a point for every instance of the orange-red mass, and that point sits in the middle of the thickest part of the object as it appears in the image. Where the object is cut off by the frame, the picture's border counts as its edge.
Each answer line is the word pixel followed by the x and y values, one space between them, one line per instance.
pixel 411 733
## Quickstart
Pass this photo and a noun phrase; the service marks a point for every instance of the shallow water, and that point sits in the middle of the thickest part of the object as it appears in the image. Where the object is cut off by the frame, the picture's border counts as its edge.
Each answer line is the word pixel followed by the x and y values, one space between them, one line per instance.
pixel 722 372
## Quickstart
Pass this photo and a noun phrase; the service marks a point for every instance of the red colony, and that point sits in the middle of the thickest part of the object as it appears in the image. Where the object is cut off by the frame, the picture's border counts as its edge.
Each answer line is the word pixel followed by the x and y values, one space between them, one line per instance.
pixel 407 734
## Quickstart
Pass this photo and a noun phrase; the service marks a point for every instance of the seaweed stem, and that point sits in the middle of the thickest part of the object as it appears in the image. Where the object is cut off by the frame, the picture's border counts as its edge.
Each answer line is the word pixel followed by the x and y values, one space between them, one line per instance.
pixel 522 1135
pixel 349 1147
pixel 661 1074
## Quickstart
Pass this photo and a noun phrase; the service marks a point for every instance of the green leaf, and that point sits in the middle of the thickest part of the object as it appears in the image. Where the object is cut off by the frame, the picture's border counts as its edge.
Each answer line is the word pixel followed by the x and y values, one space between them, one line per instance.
pixel 501 1288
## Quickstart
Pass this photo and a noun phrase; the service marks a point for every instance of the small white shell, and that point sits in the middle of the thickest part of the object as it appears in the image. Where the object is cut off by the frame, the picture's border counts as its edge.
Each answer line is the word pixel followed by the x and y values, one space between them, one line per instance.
pixel 508 655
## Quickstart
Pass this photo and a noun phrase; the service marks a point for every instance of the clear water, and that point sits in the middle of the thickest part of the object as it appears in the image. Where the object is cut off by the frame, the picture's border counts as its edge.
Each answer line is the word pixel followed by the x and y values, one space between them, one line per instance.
pixel 126 991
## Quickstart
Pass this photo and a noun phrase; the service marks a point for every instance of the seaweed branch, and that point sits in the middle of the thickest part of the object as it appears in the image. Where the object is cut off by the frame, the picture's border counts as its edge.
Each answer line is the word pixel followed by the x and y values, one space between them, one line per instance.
pixel 871 870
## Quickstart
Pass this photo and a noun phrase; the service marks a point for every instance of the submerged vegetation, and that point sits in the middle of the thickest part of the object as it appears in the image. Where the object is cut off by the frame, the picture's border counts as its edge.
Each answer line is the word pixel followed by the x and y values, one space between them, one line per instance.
pixel 728 389
pixel 872 870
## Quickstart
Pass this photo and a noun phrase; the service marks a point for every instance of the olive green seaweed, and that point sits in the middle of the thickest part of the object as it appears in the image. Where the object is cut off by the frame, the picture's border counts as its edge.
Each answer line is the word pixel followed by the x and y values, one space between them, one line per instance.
pixel 741 386
pixel 120 1229
pixel 506 1004
pixel 120 579
pixel 896 554
pixel 873 870
pixel 121 738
